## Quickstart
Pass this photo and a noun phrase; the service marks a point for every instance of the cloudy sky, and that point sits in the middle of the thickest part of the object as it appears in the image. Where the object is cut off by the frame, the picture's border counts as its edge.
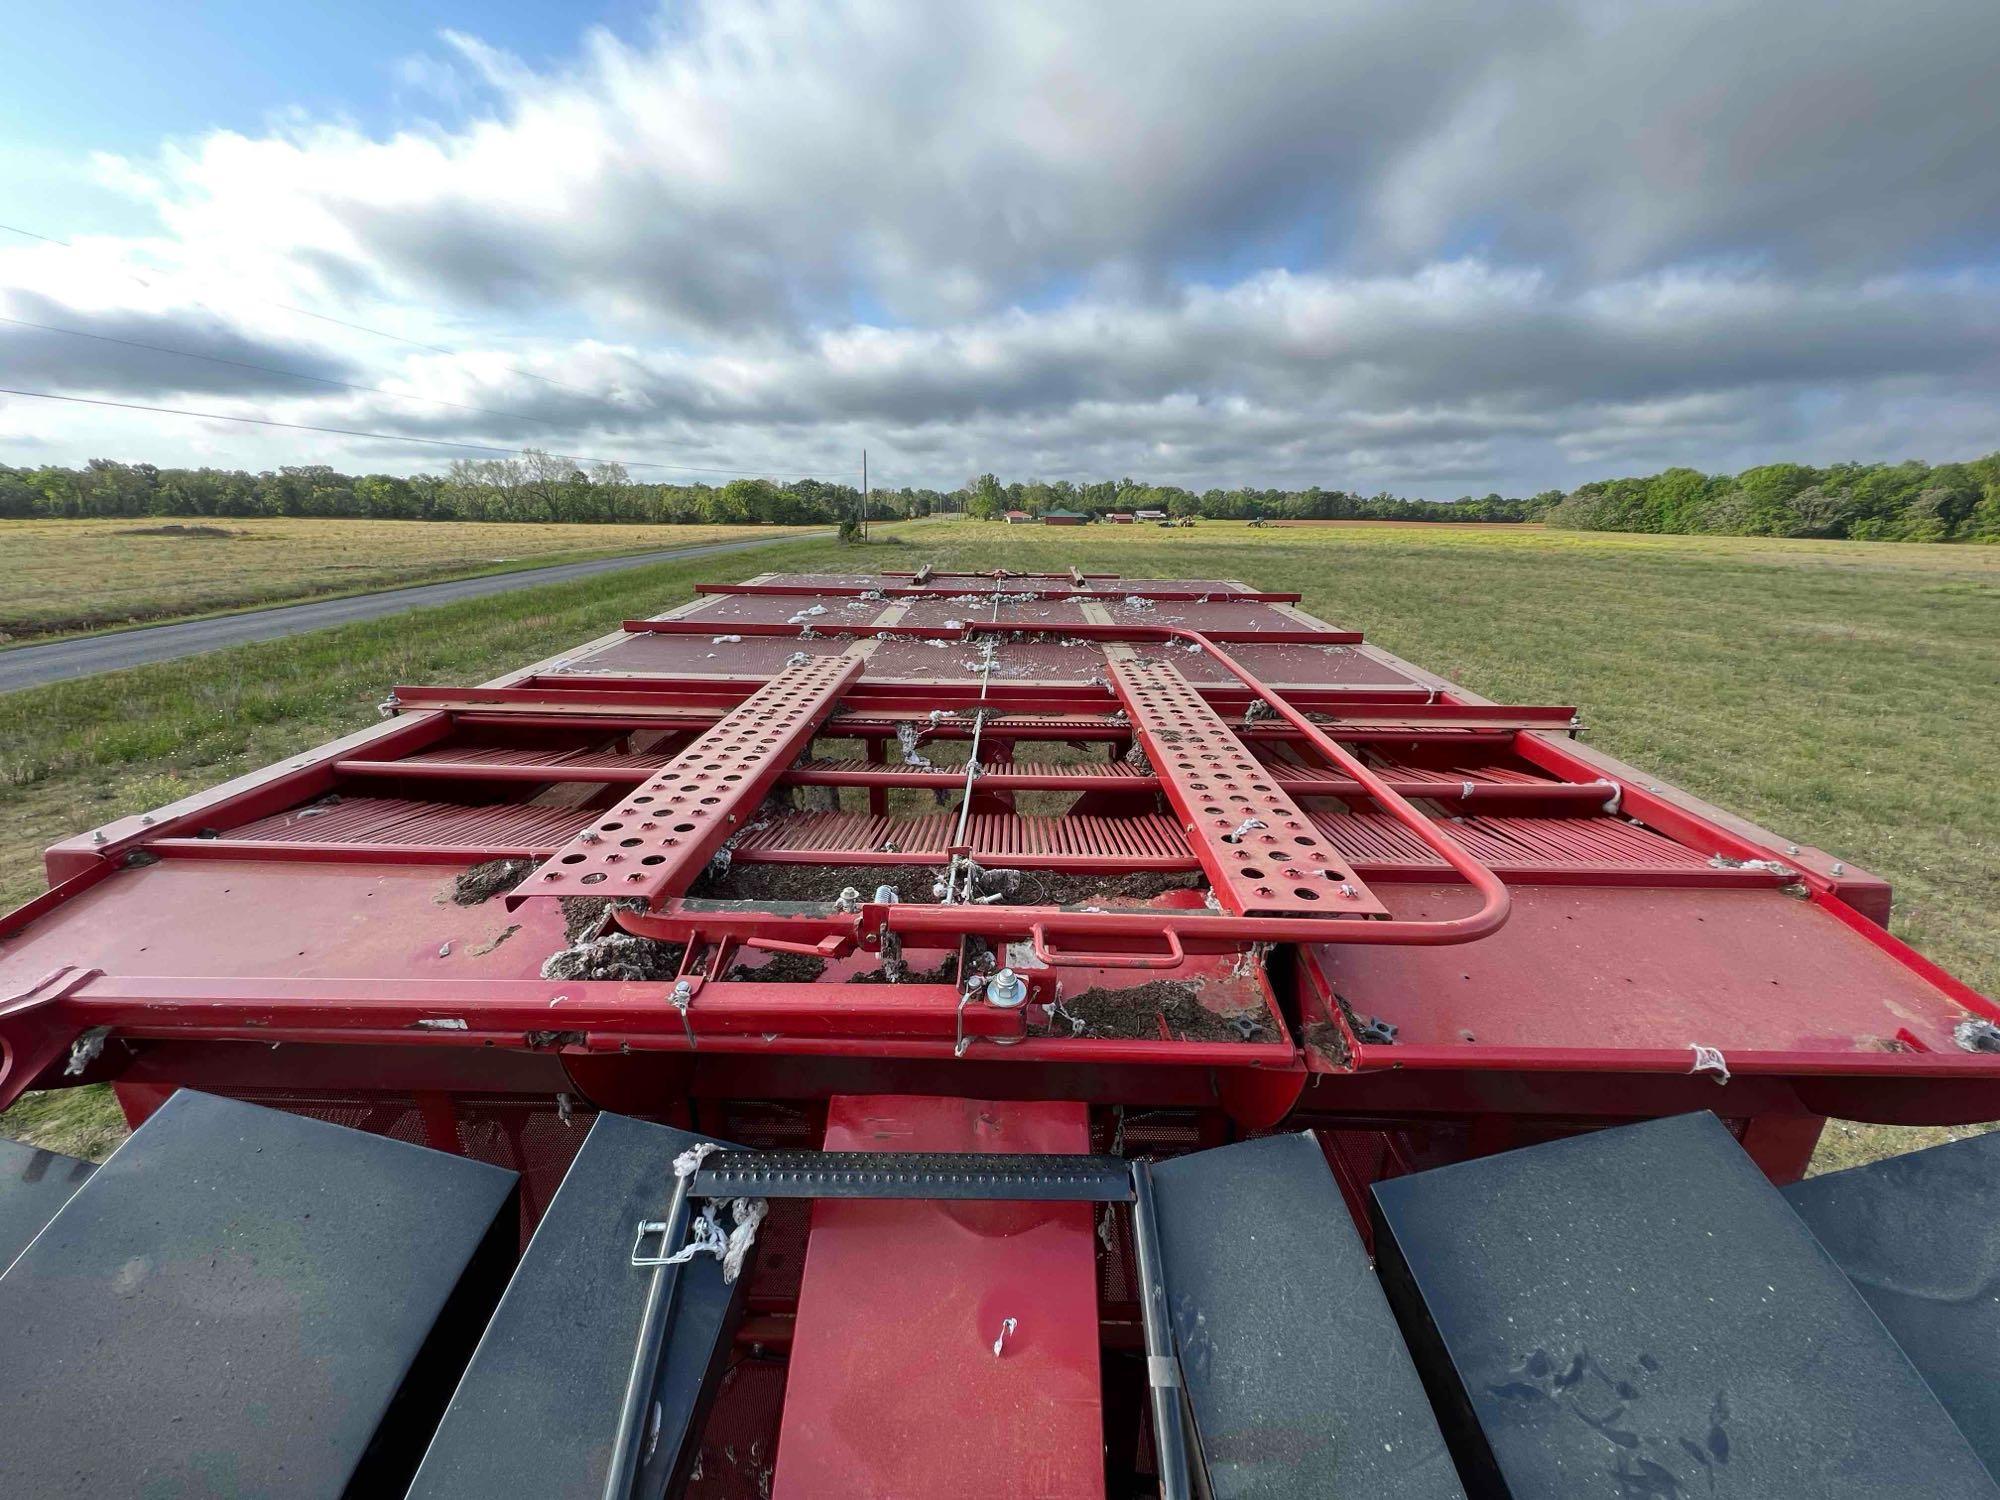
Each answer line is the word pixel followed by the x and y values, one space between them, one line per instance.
pixel 1437 246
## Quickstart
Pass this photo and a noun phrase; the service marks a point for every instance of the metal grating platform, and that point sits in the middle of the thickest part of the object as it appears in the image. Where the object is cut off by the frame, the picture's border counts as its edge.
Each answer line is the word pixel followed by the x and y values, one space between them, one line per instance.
pixel 1257 845
pixel 663 836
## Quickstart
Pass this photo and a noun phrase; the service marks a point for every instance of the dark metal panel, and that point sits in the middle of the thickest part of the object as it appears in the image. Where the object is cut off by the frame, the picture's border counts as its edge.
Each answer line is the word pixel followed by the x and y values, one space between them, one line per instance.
pixel 33 1185
pixel 1638 1312
pixel 246 1302
pixel 1919 1236
pixel 1298 1377
pixel 538 1407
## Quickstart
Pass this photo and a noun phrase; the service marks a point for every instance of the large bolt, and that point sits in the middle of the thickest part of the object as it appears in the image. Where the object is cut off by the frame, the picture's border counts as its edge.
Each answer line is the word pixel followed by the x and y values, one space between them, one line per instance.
pixel 1006 990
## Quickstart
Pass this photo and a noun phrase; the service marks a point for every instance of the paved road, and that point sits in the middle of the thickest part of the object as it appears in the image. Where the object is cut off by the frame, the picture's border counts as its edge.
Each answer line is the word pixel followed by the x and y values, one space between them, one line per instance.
pixel 31 666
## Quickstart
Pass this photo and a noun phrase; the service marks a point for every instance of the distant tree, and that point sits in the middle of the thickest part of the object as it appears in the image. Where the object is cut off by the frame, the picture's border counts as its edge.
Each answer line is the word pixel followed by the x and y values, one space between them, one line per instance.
pixel 984 499
pixel 1817 511
pixel 17 496
pixel 611 486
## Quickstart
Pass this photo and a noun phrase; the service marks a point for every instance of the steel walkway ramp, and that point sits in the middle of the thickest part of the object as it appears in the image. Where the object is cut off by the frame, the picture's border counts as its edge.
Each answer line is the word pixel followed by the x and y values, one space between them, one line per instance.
pixel 1297 1378
pixel 538 1410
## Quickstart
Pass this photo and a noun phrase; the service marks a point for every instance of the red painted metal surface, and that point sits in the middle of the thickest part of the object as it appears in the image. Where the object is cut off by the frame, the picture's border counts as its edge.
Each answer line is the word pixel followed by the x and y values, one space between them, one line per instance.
pixel 1549 932
pixel 896 1388
pixel 810 588
pixel 1653 972
pixel 312 904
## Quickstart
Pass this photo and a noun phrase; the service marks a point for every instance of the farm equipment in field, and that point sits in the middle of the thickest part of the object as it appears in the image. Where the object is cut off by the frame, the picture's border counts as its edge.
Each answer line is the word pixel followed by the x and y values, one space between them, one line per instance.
pixel 987 1034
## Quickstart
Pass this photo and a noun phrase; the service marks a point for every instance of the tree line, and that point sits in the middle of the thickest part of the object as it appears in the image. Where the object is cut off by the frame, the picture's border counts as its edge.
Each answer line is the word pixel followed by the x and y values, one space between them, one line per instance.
pixel 535 487
pixel 986 498
pixel 1906 502
pixel 1912 501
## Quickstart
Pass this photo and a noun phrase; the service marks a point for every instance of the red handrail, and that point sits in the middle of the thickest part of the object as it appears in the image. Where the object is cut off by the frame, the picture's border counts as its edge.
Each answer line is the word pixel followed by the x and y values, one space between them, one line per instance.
pixel 1495 902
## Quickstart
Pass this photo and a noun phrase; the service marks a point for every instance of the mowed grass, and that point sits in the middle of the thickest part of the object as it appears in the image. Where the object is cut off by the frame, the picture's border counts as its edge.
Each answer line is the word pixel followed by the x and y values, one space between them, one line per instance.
pixel 1844 694
pixel 67 577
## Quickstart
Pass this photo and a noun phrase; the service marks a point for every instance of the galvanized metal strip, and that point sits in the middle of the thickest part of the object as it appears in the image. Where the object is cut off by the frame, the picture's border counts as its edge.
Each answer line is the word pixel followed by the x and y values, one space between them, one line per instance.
pixel 1000 1177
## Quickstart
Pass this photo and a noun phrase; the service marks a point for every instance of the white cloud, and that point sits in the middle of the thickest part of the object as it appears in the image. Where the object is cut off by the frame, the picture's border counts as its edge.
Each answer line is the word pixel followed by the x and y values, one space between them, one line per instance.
pixel 1438 244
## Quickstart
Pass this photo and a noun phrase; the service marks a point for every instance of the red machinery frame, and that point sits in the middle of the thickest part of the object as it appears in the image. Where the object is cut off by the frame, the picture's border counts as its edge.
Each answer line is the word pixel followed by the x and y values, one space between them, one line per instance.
pixel 1405 782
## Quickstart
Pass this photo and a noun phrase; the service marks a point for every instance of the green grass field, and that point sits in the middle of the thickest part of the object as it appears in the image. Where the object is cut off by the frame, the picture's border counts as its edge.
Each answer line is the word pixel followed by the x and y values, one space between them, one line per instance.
pixel 1846 694
pixel 71 577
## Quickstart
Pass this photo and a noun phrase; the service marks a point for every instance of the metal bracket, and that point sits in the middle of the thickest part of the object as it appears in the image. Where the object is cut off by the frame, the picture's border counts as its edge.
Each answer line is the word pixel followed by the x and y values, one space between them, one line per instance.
pixel 991 1177
pixel 652 1227
pixel 680 999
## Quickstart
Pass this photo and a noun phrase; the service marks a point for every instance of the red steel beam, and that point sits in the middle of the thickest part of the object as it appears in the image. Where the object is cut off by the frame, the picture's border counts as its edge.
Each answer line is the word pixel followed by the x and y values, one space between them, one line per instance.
pixel 1000 575
pixel 664 835
pixel 551 1012
pixel 1024 776
pixel 1004 727
pixel 936 591
pixel 1078 630
pixel 651 709
pixel 920 694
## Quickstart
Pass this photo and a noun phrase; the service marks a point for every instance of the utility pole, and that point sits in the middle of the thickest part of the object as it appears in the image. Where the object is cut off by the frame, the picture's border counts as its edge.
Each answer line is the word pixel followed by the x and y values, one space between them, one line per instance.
pixel 864 494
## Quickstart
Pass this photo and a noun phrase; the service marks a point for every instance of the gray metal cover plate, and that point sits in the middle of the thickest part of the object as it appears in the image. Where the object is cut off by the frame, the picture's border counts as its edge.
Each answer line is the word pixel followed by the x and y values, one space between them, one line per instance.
pixel 1637 1312
pixel 232 1304
pixel 1298 1376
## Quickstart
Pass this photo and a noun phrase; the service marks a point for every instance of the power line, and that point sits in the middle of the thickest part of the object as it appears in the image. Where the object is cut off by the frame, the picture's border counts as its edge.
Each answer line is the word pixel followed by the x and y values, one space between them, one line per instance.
pixel 386 437
pixel 244 364
pixel 49 239
pixel 434 348
pixel 359 328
